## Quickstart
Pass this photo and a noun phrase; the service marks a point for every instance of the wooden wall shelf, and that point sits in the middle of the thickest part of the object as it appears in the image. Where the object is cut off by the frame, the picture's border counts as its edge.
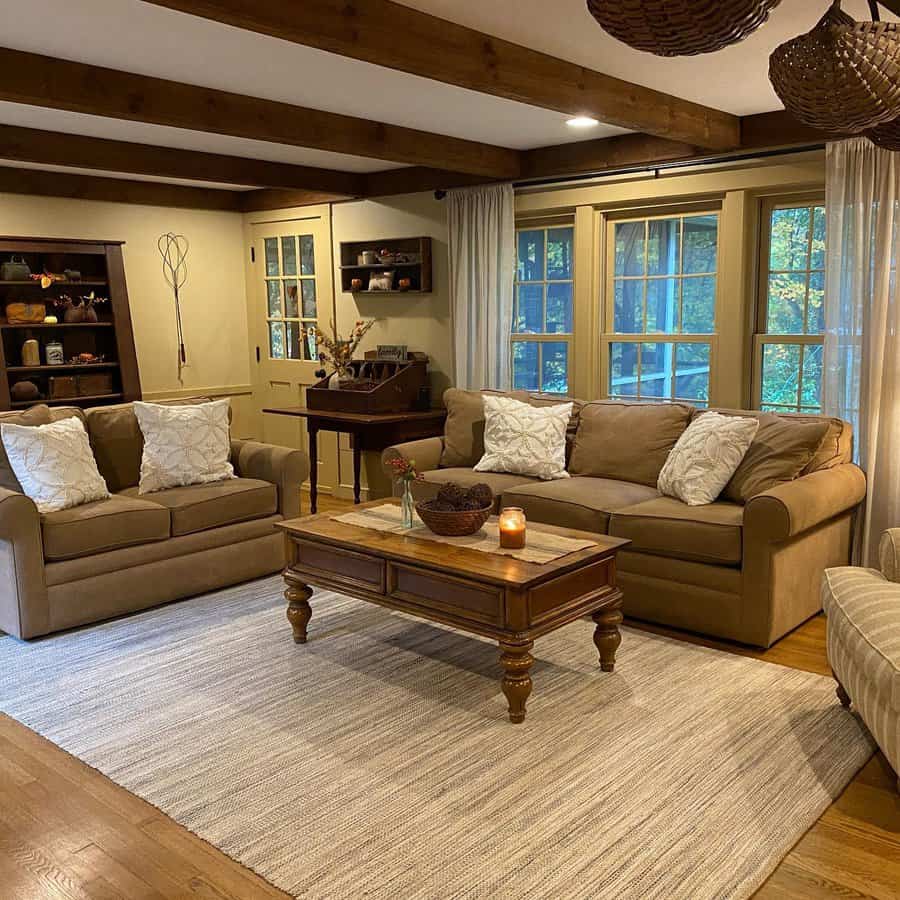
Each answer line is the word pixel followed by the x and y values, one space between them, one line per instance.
pixel 102 267
pixel 416 265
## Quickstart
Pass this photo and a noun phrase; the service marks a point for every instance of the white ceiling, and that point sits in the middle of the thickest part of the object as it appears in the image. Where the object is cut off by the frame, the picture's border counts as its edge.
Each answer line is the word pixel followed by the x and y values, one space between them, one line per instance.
pixel 146 39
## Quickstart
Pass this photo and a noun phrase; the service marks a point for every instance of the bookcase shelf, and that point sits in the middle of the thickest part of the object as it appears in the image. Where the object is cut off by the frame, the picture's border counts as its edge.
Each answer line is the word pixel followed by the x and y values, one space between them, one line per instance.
pixel 103 272
pixel 415 253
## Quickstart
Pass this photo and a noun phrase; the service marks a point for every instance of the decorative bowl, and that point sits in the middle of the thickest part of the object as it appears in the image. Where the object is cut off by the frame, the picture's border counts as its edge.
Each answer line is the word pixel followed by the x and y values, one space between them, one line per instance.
pixel 454 523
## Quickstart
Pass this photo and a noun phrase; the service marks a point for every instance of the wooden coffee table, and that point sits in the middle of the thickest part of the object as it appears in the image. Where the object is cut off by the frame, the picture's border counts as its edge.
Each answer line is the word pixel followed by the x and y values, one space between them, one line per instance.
pixel 502 598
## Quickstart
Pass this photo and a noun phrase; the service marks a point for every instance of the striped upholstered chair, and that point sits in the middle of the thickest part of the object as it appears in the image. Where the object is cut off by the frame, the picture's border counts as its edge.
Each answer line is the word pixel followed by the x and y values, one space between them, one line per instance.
pixel 863 608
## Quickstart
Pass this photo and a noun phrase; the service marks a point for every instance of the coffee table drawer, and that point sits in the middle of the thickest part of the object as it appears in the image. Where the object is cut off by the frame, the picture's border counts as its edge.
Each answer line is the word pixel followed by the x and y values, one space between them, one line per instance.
pixel 344 566
pixel 456 596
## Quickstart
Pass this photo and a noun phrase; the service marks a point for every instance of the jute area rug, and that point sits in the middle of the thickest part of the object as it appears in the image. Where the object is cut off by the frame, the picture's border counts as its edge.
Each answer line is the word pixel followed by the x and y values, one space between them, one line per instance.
pixel 377 760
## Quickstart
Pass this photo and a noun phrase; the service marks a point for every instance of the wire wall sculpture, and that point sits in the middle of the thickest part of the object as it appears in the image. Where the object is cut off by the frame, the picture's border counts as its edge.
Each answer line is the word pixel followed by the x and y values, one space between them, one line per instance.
pixel 173 248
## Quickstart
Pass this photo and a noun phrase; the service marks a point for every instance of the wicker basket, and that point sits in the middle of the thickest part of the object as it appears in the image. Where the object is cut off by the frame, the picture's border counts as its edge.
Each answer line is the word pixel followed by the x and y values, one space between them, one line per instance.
pixel 886 136
pixel 454 523
pixel 841 77
pixel 680 27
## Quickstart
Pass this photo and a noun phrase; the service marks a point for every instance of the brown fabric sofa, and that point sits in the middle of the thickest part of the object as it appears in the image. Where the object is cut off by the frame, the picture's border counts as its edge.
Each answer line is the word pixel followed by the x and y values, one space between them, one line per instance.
pixel 131 552
pixel 745 568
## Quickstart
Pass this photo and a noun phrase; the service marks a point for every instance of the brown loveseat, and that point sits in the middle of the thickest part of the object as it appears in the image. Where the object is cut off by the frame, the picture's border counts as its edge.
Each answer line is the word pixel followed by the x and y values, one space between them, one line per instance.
pixel 131 552
pixel 744 568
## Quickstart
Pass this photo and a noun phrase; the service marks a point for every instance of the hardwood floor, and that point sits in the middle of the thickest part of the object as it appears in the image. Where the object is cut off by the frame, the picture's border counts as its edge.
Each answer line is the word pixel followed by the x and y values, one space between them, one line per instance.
pixel 66 831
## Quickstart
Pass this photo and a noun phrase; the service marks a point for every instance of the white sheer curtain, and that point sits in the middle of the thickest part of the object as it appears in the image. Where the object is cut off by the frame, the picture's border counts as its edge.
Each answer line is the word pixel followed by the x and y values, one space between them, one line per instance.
pixel 482 267
pixel 861 373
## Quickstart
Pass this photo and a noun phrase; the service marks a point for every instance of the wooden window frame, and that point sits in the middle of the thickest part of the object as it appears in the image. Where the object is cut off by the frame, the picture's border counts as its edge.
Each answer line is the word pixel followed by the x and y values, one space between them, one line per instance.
pixel 541 338
pixel 608 337
pixel 761 336
pixel 284 320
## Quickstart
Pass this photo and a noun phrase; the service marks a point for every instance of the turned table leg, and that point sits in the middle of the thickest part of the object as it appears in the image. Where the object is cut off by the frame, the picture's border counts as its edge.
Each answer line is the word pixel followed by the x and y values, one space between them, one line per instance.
pixel 516 684
pixel 298 610
pixel 606 635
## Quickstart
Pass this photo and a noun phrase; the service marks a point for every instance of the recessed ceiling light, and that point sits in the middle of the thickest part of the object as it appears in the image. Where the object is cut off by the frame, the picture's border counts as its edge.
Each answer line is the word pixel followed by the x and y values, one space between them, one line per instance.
pixel 582 122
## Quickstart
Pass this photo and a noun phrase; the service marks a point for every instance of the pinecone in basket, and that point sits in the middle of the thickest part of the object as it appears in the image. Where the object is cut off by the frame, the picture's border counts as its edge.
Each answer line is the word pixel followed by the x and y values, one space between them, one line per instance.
pixel 481 494
pixel 452 493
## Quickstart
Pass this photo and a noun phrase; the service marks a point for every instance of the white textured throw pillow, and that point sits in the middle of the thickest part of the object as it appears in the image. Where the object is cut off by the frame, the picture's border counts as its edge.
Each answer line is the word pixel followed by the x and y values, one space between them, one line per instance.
pixel 184 444
pixel 54 464
pixel 706 456
pixel 523 439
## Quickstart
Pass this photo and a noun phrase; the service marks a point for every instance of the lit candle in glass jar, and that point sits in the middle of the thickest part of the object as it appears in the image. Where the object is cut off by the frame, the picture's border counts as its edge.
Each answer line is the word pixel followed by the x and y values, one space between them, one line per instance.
pixel 512 528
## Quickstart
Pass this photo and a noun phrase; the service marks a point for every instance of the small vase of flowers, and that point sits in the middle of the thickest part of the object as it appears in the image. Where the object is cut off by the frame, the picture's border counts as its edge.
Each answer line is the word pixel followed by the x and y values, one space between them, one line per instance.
pixel 336 351
pixel 405 472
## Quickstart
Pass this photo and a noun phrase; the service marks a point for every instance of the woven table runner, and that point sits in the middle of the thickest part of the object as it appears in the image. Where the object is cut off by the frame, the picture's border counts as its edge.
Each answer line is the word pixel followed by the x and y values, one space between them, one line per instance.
pixel 540 546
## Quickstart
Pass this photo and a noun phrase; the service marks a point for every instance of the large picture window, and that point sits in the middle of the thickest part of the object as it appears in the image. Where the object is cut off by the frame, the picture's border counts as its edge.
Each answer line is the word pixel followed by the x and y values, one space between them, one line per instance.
pixel 791 322
pixel 660 306
pixel 542 315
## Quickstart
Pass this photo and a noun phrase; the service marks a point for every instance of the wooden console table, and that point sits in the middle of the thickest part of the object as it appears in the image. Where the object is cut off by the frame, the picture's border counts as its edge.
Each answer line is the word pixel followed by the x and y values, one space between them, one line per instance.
pixel 368 431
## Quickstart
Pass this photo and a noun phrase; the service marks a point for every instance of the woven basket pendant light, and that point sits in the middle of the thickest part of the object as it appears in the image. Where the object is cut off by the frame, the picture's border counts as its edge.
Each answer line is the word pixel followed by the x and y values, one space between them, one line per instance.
pixel 680 27
pixel 886 136
pixel 841 77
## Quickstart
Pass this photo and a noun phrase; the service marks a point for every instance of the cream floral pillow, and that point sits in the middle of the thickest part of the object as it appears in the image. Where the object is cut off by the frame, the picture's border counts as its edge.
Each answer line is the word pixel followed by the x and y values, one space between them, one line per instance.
pixel 706 456
pixel 54 464
pixel 184 445
pixel 523 439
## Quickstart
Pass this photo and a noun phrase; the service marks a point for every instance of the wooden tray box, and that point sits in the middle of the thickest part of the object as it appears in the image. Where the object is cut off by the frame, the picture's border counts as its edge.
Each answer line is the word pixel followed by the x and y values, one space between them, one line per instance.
pixel 394 387
pixel 93 384
pixel 63 387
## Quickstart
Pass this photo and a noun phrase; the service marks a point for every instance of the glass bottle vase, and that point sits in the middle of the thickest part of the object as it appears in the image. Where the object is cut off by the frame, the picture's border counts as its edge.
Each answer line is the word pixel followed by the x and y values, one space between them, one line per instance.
pixel 407 505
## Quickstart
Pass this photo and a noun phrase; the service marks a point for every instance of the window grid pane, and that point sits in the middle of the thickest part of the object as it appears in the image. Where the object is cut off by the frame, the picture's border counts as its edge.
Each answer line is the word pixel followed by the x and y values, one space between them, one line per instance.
pixel 291 296
pixel 790 371
pixel 660 370
pixel 544 294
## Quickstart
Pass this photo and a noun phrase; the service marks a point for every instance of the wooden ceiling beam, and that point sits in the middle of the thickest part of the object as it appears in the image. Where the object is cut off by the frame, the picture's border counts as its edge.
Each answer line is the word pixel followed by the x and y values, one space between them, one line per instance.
pixel 255 201
pixel 779 129
pixel 617 152
pixel 32 145
pixel 399 37
pixel 115 190
pixel 53 83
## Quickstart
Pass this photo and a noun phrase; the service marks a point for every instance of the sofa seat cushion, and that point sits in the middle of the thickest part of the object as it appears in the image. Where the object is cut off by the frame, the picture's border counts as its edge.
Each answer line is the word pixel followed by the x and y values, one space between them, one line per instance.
pixel 198 507
pixel 498 482
pixel 668 527
pixel 583 503
pixel 863 610
pixel 102 525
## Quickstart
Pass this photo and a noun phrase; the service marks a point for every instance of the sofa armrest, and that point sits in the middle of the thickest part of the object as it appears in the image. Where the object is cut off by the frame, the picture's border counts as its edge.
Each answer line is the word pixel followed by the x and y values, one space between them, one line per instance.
pixel 794 507
pixel 426 453
pixel 889 554
pixel 285 467
pixel 24 610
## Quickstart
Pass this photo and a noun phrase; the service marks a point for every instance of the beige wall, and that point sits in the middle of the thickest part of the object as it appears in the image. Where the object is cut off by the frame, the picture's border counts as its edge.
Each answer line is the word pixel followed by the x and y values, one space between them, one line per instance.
pixel 422 321
pixel 213 309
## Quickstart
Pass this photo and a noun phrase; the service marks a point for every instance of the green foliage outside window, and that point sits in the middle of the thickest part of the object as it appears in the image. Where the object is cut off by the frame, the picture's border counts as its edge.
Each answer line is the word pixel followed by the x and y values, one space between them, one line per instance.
pixel 791 373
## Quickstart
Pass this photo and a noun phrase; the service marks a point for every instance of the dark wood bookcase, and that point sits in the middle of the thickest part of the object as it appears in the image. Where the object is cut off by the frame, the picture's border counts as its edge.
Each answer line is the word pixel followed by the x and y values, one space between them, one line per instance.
pixel 103 272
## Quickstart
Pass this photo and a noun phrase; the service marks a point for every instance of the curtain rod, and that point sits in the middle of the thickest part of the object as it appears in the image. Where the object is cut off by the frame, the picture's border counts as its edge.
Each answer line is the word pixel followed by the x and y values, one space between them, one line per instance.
pixel 663 166
pixel 440 194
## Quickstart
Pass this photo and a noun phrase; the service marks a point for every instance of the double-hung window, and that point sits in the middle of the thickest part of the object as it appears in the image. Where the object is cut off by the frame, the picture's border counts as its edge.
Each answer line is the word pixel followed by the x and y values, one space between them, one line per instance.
pixel 791 323
pixel 541 340
pixel 660 306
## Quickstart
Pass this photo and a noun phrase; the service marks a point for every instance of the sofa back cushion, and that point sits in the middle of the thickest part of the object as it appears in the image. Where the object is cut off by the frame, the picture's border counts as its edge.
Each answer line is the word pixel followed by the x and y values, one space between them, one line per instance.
pixel 627 441
pixel 464 428
pixel 118 443
pixel 836 447
pixel 36 415
pixel 784 448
